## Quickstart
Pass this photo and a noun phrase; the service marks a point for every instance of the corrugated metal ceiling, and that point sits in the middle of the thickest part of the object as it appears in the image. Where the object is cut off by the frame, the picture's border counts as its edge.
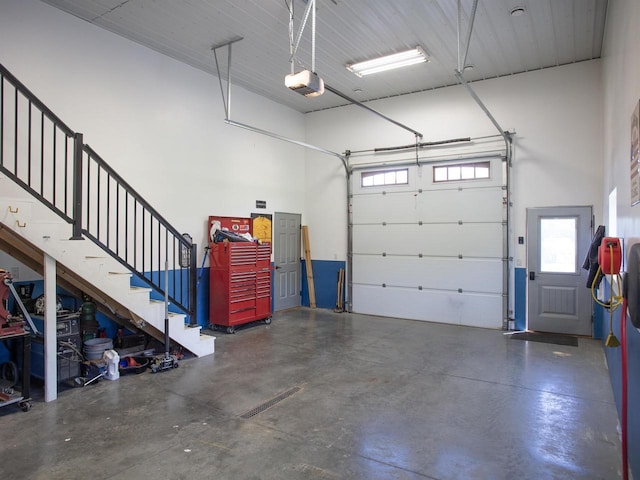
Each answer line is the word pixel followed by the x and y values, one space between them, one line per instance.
pixel 549 33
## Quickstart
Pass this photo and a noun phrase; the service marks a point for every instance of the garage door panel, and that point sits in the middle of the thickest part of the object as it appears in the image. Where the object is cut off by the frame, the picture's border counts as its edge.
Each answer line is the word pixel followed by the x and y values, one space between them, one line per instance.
pixel 474 240
pixel 467 205
pixel 478 205
pixel 476 275
pixel 474 310
pixel 378 208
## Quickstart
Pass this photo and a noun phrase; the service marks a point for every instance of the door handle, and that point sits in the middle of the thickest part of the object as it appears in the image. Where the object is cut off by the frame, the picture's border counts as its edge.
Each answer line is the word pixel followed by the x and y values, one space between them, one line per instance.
pixel 532 275
pixel 277 267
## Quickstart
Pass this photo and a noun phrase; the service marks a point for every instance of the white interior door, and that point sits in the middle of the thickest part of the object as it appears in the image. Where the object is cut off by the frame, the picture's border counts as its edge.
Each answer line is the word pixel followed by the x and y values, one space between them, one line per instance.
pixel 428 249
pixel 558 240
pixel 286 253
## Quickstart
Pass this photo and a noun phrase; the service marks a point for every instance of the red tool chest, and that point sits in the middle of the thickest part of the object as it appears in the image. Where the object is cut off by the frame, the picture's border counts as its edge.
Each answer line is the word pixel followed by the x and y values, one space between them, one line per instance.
pixel 240 284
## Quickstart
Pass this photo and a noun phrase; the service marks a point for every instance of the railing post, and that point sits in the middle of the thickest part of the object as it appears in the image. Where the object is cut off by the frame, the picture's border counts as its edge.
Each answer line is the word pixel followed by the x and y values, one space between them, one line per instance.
pixel 77 187
pixel 193 287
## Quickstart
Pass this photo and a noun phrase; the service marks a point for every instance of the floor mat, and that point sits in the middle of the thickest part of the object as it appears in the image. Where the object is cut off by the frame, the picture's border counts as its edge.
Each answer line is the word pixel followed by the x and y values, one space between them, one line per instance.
pixel 556 339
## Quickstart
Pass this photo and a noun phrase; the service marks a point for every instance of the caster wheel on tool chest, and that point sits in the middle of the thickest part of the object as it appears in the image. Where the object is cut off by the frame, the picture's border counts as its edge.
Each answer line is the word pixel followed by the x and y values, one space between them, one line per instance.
pixel 231 330
pixel 267 321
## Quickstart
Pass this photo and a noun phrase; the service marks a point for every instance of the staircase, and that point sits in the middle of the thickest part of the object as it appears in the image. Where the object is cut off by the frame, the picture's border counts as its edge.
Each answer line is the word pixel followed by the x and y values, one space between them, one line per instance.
pixel 58 197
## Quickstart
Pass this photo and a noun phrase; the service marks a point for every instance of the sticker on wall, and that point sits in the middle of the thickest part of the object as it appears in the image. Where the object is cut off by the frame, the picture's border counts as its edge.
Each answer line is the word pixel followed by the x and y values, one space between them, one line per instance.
pixel 635 155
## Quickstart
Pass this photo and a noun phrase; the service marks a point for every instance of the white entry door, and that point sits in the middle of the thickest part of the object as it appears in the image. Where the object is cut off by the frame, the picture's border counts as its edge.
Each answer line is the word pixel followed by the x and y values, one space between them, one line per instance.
pixel 428 242
pixel 558 240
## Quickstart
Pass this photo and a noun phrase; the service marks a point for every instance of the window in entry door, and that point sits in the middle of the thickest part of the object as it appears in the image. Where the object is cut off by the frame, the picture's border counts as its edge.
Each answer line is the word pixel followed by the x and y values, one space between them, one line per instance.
pixel 558 244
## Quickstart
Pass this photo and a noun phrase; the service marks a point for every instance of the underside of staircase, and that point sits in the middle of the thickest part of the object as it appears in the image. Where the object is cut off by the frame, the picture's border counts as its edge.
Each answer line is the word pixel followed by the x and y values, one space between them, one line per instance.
pixel 29 230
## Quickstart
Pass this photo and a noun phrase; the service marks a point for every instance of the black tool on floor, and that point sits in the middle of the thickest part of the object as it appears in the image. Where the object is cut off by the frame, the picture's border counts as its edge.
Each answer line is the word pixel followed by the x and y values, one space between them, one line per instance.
pixel 167 361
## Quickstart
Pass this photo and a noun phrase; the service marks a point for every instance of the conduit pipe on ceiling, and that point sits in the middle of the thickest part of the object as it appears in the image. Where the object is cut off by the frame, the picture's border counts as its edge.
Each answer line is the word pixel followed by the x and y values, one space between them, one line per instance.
pixel 461 64
pixel 462 59
pixel 226 101
pixel 473 94
pixel 286 139
pixel 293 49
pixel 375 112
pixel 227 108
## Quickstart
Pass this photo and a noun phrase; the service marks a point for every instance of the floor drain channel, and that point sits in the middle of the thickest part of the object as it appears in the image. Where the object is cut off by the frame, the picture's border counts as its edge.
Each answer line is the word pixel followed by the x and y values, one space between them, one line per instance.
pixel 270 403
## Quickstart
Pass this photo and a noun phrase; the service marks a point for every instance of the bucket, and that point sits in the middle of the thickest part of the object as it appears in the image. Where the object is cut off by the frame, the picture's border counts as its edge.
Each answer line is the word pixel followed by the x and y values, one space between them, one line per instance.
pixel 112 359
pixel 94 348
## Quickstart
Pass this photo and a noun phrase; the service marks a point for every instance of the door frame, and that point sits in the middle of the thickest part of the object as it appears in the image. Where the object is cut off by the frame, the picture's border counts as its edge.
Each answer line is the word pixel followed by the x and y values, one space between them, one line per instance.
pixel 583 244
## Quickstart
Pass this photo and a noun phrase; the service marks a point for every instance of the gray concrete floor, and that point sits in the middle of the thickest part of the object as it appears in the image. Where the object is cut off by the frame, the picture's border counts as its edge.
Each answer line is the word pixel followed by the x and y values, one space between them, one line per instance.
pixel 379 398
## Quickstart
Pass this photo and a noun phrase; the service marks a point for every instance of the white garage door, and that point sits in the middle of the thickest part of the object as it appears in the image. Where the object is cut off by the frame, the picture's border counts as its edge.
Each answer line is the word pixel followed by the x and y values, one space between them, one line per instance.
pixel 428 242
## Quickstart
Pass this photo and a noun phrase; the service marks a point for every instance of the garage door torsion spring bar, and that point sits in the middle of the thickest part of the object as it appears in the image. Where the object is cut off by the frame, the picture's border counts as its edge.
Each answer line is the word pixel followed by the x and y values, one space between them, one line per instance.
pixel 422 145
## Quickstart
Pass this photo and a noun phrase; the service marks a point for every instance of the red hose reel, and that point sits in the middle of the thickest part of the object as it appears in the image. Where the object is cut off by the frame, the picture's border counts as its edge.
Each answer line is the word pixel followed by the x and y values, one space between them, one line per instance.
pixel 610 255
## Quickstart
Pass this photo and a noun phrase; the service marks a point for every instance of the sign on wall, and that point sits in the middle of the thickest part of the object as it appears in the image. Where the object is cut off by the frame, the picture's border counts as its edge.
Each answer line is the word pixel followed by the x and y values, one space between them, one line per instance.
pixel 635 155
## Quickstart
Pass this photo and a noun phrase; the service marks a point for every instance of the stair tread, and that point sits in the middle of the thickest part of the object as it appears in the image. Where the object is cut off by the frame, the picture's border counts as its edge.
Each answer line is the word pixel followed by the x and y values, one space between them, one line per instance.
pixel 140 289
pixel 187 327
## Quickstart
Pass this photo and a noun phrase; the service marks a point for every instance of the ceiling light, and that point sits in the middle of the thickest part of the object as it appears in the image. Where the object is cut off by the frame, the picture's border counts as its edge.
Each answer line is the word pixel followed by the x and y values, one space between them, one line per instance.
pixel 517 11
pixel 389 62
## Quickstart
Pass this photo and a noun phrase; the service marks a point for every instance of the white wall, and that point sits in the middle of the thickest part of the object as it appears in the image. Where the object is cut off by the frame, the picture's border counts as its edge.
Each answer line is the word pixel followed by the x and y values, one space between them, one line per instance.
pixel 158 122
pixel 621 78
pixel 557 116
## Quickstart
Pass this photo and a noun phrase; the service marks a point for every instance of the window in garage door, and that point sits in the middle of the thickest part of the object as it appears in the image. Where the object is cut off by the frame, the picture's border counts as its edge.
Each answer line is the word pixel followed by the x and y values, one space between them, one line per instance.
pixel 432 248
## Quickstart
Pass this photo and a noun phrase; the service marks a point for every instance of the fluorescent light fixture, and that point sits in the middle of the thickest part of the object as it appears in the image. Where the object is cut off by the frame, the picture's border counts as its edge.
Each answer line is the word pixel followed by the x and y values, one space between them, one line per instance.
pixel 389 62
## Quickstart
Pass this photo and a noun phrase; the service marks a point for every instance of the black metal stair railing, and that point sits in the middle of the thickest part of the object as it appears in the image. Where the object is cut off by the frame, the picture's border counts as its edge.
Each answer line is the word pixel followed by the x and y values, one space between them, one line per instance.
pixel 41 154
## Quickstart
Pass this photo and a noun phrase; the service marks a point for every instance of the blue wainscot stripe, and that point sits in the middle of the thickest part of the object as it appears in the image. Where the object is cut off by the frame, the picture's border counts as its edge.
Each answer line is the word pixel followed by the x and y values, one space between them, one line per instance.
pixel 520 301
pixel 325 281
